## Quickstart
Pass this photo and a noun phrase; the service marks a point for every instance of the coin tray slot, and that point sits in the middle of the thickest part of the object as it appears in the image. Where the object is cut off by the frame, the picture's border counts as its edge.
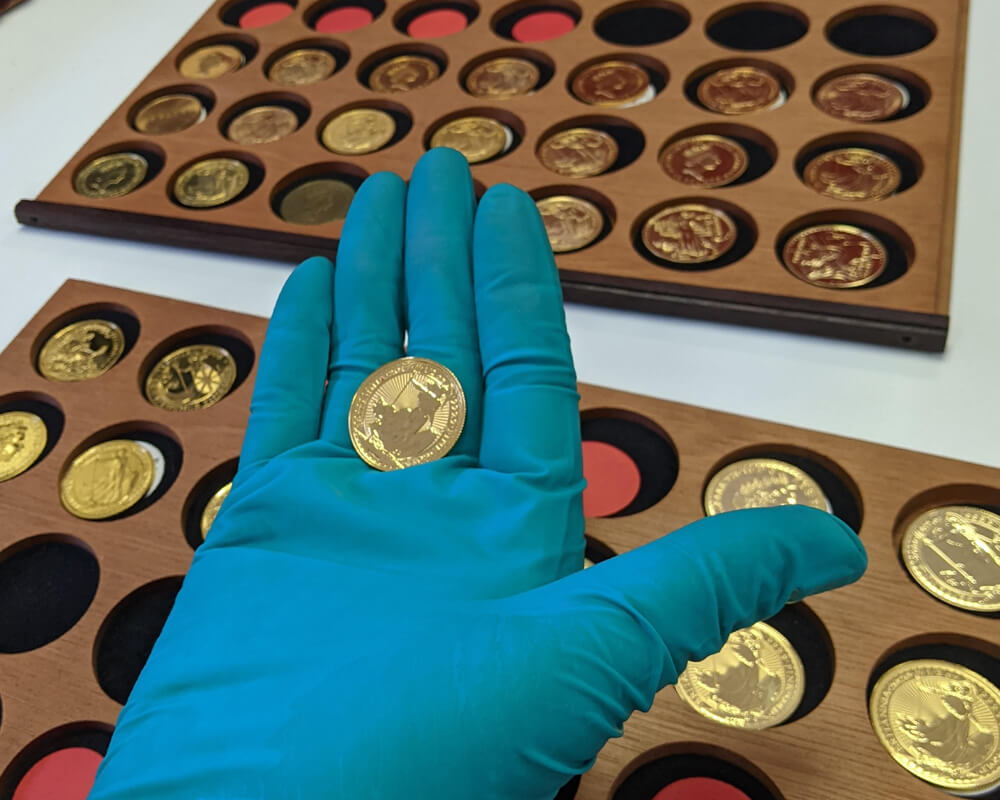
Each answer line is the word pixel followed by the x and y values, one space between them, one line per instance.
pixel 569 789
pixel 121 316
pixel 410 49
pixel 204 95
pixel 340 52
pixel 314 15
pixel 630 138
pixel 916 87
pixel 94 736
pixel 399 113
pixel 657 70
pixel 811 640
pixel 975 654
pixel 596 550
pixel 911 166
pixel 245 44
pixel 253 164
pixel 881 31
pixel 506 18
pixel 202 492
pixel 42 405
pixel 128 633
pixel 642 440
pixel 296 104
pixel 691 84
pixel 47 583
pixel 586 193
pixel 154 155
pixel 337 170
pixel 642 22
pixel 512 122
pixel 231 13
pixel 546 66
pixel 414 11
pixel 757 26
pixel 761 151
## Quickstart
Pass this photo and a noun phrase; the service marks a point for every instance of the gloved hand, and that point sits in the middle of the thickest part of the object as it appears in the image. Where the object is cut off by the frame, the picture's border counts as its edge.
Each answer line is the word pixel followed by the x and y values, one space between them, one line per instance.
pixel 429 632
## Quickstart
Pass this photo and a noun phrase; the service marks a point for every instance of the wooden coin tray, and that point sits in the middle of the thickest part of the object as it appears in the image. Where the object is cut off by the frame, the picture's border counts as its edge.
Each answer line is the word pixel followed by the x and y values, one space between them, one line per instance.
pixel 907 307
pixel 831 751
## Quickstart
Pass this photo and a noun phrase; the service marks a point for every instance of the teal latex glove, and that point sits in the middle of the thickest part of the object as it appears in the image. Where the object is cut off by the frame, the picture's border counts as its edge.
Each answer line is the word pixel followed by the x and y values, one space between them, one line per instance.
pixel 429 632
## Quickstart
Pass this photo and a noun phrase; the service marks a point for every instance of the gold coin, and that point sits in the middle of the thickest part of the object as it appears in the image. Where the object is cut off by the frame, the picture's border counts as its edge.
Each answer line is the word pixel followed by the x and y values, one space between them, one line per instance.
pixel 194 376
pixel 762 483
pixel 476 138
pixel 262 124
pixel 107 479
pixel 611 83
pixel 211 61
pixel 862 97
pixel 317 201
pixel 571 222
pixel 211 182
pixel 23 437
pixel 302 67
pixel 579 152
pixel 358 131
pixel 740 90
pixel 113 175
pixel 941 722
pixel 212 507
pixel 852 173
pixel 835 256
pixel 953 552
pixel 407 412
pixel 81 351
pixel 689 233
pixel 504 77
pixel 403 74
pixel 755 681
pixel 169 113
pixel 704 160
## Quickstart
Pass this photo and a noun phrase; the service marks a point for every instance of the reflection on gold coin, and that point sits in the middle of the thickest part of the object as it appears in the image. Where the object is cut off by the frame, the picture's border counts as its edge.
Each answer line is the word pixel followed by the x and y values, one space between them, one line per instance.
pixel 358 131
pixel 407 412
pixel 689 233
pixel 504 77
pixel 835 256
pixel 579 152
pixel 211 182
pixel 113 175
pixel 740 90
pixel 262 124
pixel 194 376
pixel 81 351
pixel 941 722
pixel 169 113
pixel 852 173
pixel 755 681
pixel 23 437
pixel 611 83
pixel 316 201
pixel 211 61
pixel 403 74
pixel 107 479
pixel 704 160
pixel 476 138
pixel 212 508
pixel 302 67
pixel 571 222
pixel 953 552
pixel 862 97
pixel 762 483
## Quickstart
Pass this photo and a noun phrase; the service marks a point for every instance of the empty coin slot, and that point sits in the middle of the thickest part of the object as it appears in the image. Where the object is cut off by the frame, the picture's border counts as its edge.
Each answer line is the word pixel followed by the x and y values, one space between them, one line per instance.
pixel 881 31
pixel 117 170
pixel 642 22
pixel 317 194
pixel 372 71
pixel 569 789
pixel 628 141
pixel 568 212
pixel 199 508
pixel 589 83
pixel 280 115
pixel 480 134
pixel 694 234
pixel 847 172
pixel 489 75
pixel 128 633
pixel 751 94
pixel 360 134
pixel 305 62
pixel 30 425
pixel 701 163
pixel 757 26
pixel 216 56
pixel 249 14
pixel 215 180
pixel 61 763
pixel 344 15
pixel 595 551
pixel 432 20
pixel 79 351
pixel 172 109
pixel 869 93
pixel 536 22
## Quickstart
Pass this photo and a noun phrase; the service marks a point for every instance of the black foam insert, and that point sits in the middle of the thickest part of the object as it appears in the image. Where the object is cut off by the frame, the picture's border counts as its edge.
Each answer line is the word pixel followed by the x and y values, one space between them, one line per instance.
pixel 641 25
pixel 568 791
pixel 977 661
pixel 757 29
pixel 812 643
pixel 597 551
pixel 650 778
pixel 881 34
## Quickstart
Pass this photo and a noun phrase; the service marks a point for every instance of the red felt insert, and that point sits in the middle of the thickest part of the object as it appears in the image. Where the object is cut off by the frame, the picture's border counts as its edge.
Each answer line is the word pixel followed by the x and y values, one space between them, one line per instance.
pixel 343 19
pixel 542 25
pixel 612 476
pixel 437 22
pixel 66 774
pixel 699 788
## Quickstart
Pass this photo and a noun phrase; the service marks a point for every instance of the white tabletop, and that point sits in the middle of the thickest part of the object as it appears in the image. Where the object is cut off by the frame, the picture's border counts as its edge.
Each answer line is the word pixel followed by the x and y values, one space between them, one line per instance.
pixel 65 65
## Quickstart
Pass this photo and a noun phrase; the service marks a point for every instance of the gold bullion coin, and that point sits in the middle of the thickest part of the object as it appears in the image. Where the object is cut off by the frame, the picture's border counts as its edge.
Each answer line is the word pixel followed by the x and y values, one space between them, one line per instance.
pixel 953 552
pixel 689 233
pixel 611 83
pixel 407 412
pixel 579 152
pixel 861 97
pixel 704 160
pixel 262 124
pixel 403 74
pixel 302 67
pixel 317 201
pixel 570 222
pixel 211 61
pixel 853 173
pixel 113 175
pixel 835 256
pixel 762 483
pixel 169 113
pixel 212 507
pixel 941 722
pixel 755 681
pixel 194 376
pixel 739 90
pixel 500 78
pixel 476 138
pixel 358 131
pixel 23 437
pixel 211 182
pixel 107 479
pixel 81 351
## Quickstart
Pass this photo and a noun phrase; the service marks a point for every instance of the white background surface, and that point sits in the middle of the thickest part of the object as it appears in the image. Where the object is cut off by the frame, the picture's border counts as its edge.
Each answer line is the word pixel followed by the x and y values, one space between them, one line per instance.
pixel 65 65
